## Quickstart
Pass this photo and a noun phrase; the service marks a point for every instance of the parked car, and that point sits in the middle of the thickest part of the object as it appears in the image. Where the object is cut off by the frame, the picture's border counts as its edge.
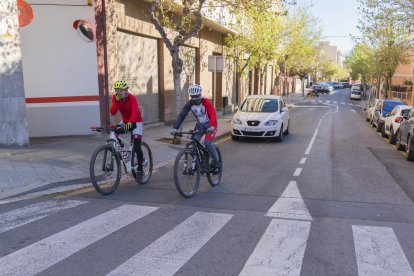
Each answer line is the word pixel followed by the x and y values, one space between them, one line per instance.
pixel 405 137
pixel 355 92
pixel 346 85
pixel 383 107
pixel 321 88
pixel 265 116
pixel 326 87
pixel 369 110
pixel 338 85
pixel 392 122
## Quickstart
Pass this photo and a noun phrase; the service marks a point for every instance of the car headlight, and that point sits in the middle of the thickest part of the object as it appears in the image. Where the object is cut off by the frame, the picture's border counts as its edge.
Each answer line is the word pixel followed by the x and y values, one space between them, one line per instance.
pixel 237 121
pixel 271 123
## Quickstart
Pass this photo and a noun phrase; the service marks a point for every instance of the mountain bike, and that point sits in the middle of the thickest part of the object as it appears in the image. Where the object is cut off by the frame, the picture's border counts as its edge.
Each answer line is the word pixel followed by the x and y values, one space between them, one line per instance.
pixel 105 165
pixel 191 162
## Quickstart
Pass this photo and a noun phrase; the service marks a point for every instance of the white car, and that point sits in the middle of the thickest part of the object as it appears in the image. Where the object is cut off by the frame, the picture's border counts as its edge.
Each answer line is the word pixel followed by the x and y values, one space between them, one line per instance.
pixel 265 116
pixel 392 122
pixel 355 92
pixel 369 109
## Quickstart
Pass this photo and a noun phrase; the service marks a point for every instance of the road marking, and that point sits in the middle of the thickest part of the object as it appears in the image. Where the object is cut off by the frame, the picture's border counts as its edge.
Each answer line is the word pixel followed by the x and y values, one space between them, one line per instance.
pixel 378 252
pixel 297 172
pixel 25 215
pixel 353 110
pixel 313 101
pixel 303 160
pixel 328 102
pixel 290 205
pixel 320 101
pixel 342 103
pixel 281 249
pixel 316 131
pixel 169 253
pixel 335 102
pixel 38 256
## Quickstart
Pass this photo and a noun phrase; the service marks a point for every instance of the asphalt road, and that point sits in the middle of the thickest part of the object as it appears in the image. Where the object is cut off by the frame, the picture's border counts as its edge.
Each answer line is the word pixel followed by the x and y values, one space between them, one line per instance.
pixel 332 199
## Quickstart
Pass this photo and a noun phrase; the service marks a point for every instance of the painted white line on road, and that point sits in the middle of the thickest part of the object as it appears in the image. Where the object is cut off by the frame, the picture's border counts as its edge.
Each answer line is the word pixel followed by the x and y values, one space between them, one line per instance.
pixel 169 253
pixel 313 101
pixel 352 110
pixel 38 256
pixel 290 205
pixel 297 172
pixel 316 131
pixel 342 103
pixel 302 161
pixel 335 102
pixel 378 252
pixel 328 102
pixel 281 249
pixel 25 215
pixel 320 101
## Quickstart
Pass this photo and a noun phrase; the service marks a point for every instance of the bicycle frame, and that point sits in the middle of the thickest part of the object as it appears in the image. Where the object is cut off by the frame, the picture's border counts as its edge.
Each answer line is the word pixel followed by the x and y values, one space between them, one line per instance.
pixel 201 153
pixel 124 153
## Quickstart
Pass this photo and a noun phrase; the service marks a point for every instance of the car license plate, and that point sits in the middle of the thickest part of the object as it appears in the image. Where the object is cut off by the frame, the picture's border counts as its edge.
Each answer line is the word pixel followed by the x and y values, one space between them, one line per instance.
pixel 252 129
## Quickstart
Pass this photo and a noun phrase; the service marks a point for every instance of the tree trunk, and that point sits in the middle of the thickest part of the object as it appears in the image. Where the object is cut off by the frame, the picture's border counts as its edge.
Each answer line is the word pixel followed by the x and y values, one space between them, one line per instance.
pixel 177 64
pixel 13 121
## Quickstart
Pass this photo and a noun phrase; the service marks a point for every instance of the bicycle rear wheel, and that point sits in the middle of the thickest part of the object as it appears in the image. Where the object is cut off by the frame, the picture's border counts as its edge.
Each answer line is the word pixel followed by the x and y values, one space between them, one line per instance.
pixel 186 173
pixel 215 179
pixel 147 165
pixel 105 169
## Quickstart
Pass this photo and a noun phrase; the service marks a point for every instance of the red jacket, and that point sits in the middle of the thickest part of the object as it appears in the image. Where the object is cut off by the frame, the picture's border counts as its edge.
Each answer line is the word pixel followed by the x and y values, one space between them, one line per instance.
pixel 128 107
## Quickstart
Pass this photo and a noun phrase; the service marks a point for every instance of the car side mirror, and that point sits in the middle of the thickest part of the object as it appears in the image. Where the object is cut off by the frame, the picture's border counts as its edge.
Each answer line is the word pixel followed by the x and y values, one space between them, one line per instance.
pixel 285 109
pixel 405 117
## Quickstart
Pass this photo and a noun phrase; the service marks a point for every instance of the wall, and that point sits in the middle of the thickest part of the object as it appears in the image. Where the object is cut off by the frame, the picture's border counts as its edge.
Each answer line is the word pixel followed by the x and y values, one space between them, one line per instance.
pixel 60 70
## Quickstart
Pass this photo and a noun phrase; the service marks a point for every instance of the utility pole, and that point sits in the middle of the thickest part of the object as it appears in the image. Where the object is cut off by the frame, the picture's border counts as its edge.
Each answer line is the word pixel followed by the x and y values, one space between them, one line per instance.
pixel 13 121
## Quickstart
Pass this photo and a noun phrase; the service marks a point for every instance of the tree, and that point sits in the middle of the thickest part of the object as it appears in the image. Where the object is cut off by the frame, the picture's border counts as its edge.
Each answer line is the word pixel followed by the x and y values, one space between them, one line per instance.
pixel 387 34
pixel 178 21
pixel 300 53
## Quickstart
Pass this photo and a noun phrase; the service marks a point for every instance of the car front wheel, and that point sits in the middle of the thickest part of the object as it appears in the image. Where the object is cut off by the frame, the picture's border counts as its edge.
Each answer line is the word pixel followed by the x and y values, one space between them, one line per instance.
pixel 398 142
pixel 392 137
pixel 280 137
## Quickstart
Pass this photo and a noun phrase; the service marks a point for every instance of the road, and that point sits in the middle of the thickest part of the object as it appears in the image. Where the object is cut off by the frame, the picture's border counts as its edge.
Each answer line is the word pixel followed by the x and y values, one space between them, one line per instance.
pixel 332 199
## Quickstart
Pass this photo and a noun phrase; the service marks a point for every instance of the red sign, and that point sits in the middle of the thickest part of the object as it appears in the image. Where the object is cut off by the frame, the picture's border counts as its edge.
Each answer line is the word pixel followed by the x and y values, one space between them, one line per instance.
pixel 25 13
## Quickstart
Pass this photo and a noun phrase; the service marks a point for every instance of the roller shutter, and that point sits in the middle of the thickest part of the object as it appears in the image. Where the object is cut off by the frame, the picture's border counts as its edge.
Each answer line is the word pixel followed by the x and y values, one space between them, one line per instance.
pixel 138 65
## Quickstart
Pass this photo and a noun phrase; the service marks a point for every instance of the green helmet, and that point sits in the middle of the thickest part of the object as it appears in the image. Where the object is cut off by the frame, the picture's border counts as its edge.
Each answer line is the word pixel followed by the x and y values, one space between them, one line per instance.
pixel 120 84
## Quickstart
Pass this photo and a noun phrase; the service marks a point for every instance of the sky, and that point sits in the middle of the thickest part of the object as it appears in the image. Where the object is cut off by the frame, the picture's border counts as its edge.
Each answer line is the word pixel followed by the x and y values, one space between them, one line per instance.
pixel 338 19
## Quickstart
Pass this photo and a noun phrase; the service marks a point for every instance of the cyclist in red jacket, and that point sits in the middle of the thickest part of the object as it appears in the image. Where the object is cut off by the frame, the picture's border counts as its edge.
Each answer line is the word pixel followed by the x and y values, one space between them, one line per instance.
pixel 127 105
pixel 205 114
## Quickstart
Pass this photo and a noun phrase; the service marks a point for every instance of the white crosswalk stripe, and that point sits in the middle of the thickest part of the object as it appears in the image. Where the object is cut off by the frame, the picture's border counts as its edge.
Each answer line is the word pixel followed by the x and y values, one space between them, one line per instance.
pixel 378 252
pixel 281 249
pixel 166 255
pixel 25 215
pixel 39 256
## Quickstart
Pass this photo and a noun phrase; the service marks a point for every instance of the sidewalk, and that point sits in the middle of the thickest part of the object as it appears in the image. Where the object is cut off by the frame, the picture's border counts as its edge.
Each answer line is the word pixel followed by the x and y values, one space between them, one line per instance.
pixel 57 162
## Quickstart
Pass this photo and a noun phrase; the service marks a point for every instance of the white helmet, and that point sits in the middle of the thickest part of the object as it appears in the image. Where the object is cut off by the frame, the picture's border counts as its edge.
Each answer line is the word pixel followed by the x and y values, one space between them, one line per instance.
pixel 195 90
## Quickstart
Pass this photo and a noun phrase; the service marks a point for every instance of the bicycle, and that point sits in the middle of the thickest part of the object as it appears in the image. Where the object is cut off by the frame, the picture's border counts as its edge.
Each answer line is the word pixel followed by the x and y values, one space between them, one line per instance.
pixel 192 161
pixel 105 165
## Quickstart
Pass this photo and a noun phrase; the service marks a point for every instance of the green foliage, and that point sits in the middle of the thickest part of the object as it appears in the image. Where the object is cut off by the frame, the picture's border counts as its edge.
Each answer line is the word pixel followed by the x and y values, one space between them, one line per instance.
pixel 386 33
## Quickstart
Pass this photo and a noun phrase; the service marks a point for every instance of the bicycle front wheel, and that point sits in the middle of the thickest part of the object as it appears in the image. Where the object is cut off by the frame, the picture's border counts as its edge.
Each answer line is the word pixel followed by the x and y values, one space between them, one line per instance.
pixel 105 170
pixel 215 178
pixel 147 165
pixel 186 173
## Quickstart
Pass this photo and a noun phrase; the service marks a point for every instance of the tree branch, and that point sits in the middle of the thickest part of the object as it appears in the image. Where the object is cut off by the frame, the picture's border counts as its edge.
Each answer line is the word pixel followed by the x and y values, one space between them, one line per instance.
pixel 158 25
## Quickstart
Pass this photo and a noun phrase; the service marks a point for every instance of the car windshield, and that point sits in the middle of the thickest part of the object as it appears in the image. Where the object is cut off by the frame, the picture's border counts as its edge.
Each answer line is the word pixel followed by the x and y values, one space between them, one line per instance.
pixel 259 105
pixel 388 106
